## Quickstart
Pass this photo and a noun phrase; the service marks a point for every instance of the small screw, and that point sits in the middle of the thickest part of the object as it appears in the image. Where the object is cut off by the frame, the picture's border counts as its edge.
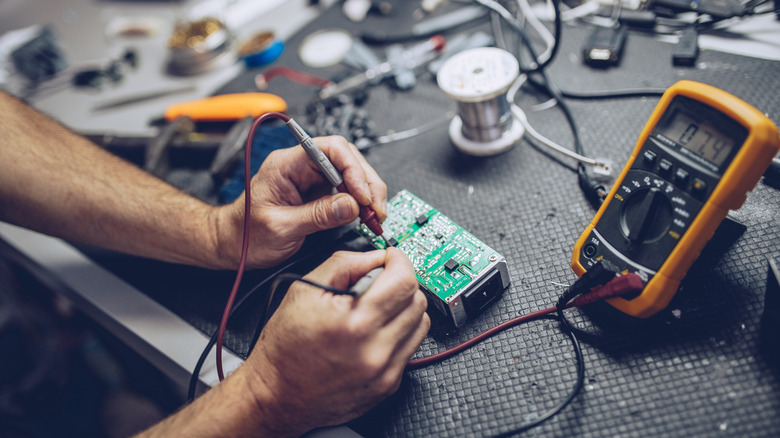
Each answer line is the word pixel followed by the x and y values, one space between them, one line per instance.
pixel 493 258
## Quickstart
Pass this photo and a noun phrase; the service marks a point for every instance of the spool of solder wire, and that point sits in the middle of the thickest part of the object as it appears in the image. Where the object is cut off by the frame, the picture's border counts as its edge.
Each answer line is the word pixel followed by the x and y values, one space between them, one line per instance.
pixel 478 80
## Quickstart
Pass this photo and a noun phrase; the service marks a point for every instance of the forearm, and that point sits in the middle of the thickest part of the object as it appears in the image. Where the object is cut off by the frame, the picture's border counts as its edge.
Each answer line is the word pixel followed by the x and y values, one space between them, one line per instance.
pixel 58 183
pixel 237 407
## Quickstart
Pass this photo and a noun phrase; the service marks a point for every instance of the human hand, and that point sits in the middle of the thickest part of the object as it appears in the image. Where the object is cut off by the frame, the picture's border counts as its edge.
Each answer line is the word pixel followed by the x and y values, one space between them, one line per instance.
pixel 291 199
pixel 324 359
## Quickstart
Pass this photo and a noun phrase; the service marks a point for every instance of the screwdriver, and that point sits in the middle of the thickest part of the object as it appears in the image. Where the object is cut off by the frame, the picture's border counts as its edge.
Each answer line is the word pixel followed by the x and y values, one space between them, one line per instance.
pixel 226 107
pixel 367 215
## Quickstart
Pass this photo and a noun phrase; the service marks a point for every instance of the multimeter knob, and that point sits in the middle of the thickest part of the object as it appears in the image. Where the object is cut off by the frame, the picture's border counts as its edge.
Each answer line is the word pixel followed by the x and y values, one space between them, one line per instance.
pixel 646 215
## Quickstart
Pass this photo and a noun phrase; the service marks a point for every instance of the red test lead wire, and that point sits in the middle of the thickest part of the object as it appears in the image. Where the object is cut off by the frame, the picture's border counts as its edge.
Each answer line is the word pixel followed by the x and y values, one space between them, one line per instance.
pixel 367 215
pixel 245 243
pixel 618 286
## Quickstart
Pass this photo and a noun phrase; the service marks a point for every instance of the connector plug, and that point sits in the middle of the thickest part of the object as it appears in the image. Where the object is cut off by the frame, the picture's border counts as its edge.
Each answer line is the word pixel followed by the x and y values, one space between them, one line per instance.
pixel 602 167
pixel 601 273
pixel 594 192
pixel 614 288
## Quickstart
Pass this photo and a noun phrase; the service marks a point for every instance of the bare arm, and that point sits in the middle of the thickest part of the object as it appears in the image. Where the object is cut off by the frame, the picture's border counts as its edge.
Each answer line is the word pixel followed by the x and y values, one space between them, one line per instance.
pixel 56 182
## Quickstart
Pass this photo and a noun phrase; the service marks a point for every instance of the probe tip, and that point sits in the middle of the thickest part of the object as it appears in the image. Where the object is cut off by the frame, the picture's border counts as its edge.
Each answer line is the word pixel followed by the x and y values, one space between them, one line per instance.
pixel 388 241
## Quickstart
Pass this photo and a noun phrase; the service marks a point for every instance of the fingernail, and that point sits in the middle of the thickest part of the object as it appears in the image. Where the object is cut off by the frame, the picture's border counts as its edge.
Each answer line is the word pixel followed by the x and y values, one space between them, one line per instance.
pixel 342 209
pixel 368 192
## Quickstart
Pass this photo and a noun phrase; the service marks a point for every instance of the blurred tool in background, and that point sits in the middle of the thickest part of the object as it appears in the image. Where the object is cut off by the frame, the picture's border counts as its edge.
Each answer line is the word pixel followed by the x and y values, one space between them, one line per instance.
pixel 199 142
pixel 200 46
pixel 260 49
pixel 400 63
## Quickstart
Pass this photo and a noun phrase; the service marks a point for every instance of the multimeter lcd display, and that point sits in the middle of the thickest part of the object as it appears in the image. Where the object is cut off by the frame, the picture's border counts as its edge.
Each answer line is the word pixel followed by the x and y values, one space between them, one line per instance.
pixel 699 137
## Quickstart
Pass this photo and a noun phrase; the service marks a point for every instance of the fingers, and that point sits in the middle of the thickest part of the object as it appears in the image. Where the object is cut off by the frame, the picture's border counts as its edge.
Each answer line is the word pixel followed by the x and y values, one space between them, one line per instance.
pixel 361 179
pixel 345 268
pixel 320 214
pixel 391 293
pixel 293 173
pixel 393 290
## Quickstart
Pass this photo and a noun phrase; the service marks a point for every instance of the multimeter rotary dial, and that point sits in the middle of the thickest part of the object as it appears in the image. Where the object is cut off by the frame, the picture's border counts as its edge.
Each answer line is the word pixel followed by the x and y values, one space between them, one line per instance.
pixel 646 218
pixel 646 215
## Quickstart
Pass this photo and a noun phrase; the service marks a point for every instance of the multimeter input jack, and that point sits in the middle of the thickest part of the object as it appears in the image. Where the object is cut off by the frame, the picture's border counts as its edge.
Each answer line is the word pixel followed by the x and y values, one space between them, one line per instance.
pixel 589 250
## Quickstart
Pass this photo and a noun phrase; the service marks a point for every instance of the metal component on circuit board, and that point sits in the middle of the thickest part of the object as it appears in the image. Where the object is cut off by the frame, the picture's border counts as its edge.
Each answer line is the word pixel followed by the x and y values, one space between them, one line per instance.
pixel 460 274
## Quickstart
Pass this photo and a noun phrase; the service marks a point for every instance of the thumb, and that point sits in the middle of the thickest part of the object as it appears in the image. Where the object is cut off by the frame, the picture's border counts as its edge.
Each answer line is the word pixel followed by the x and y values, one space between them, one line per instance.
pixel 324 213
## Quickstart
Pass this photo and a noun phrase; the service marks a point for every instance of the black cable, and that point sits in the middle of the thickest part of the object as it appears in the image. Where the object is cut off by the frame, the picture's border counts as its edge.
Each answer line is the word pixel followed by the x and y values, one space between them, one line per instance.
pixel 557 31
pixel 288 278
pixel 608 94
pixel 213 340
pixel 577 385
pixel 202 359
pixel 536 66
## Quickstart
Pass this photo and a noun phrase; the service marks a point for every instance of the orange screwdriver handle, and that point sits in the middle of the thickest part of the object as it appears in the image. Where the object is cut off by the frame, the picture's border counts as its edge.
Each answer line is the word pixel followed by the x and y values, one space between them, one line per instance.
pixel 226 107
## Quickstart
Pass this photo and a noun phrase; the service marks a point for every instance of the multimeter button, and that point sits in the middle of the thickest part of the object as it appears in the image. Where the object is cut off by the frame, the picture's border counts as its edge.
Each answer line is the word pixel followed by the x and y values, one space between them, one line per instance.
pixel 665 166
pixel 681 176
pixel 699 186
pixel 649 157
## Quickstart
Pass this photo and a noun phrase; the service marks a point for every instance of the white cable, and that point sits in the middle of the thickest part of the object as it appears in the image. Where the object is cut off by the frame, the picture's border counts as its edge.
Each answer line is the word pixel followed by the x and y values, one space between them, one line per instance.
pixel 506 15
pixel 604 166
pixel 583 10
pixel 540 28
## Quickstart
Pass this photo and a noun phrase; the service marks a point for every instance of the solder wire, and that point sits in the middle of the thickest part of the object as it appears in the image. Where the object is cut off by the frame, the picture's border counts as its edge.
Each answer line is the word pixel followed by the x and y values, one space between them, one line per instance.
pixel 594 192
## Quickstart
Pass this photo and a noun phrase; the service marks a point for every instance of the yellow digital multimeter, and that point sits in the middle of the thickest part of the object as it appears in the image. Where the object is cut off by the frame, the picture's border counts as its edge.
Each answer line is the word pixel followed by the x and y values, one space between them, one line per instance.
pixel 699 155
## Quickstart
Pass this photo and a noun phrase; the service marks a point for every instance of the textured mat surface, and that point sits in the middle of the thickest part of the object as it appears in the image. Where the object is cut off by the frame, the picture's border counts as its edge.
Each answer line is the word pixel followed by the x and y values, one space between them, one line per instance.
pixel 694 369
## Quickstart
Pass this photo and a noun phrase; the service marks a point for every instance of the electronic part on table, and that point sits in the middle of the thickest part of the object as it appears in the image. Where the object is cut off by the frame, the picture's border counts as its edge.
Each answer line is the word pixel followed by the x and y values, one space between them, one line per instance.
pixel 460 274
pixel 699 155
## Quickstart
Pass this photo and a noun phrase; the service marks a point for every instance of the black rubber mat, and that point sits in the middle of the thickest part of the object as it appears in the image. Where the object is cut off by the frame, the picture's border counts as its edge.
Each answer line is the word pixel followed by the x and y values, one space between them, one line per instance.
pixel 694 369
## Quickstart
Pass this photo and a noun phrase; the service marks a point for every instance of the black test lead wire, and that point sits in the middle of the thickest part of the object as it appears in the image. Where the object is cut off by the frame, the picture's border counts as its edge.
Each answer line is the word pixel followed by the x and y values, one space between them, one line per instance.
pixel 599 274
pixel 240 302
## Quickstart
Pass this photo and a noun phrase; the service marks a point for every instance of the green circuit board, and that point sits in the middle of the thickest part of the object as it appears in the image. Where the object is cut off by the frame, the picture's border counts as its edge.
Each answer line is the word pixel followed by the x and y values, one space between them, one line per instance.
pixel 446 258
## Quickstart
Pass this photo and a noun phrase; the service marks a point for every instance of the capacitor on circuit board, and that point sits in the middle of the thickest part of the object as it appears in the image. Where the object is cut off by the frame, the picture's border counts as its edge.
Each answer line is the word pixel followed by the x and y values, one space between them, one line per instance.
pixel 478 80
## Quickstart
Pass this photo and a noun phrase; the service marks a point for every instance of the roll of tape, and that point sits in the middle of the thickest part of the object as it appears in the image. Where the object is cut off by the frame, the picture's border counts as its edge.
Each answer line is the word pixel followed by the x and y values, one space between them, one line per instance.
pixel 261 49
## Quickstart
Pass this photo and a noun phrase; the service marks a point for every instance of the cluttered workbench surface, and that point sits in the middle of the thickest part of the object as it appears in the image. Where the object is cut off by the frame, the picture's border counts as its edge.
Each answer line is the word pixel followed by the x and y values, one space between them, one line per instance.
pixel 696 368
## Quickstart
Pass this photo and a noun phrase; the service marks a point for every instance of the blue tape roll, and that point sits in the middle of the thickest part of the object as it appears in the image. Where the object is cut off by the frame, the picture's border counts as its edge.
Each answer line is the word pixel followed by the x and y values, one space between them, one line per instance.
pixel 266 56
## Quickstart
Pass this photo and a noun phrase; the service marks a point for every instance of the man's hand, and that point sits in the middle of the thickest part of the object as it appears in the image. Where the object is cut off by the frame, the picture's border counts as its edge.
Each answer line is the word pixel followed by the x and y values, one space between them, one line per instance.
pixel 324 359
pixel 291 199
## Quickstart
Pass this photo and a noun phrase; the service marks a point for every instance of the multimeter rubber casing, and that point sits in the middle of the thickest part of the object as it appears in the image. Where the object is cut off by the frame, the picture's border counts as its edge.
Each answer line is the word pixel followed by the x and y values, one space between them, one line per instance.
pixel 699 155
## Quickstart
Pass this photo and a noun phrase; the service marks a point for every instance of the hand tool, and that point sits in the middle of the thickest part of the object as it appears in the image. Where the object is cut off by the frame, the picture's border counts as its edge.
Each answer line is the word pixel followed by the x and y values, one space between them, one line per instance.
pixel 226 107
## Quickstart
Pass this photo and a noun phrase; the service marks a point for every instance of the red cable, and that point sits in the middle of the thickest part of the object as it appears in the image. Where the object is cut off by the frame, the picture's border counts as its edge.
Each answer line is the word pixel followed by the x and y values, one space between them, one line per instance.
pixel 480 337
pixel 615 287
pixel 297 76
pixel 245 244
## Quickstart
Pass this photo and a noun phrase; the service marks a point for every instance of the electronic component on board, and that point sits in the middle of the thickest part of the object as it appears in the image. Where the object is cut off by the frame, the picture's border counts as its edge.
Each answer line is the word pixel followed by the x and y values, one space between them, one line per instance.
pixel 460 274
